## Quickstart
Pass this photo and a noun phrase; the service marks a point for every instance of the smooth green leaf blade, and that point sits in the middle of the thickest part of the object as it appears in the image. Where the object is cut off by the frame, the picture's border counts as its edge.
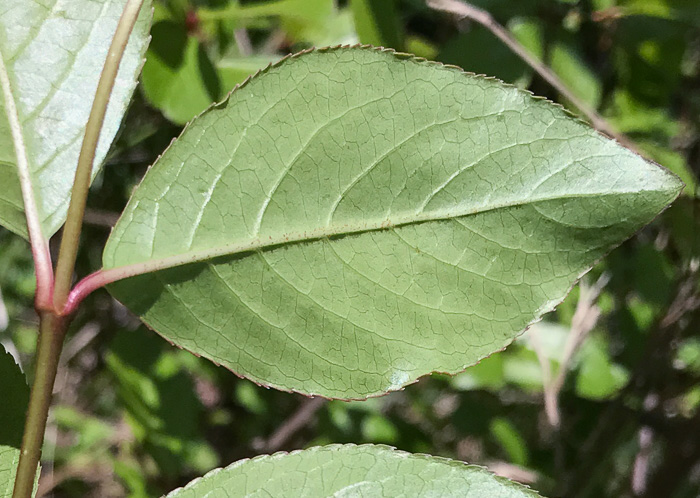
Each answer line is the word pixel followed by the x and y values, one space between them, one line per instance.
pixel 53 55
pixel 14 393
pixel 357 218
pixel 349 470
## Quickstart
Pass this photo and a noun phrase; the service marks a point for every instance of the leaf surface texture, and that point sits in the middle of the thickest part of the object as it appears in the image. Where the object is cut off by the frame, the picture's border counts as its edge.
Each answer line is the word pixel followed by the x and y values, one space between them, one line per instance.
pixel 354 219
pixel 349 470
pixel 52 53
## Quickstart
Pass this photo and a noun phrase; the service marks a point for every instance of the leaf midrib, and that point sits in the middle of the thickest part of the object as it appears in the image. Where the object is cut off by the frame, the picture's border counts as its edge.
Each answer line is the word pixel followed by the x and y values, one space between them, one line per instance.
pixel 329 231
pixel 21 154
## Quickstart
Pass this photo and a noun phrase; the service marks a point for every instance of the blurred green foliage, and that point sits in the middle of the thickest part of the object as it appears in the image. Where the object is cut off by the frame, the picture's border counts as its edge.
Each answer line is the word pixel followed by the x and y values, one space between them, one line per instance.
pixel 137 417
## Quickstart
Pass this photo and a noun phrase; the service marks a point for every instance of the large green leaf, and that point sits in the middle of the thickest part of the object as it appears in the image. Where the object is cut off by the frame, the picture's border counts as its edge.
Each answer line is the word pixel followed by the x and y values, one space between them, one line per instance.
pixel 52 53
pixel 14 393
pixel 349 470
pixel 352 219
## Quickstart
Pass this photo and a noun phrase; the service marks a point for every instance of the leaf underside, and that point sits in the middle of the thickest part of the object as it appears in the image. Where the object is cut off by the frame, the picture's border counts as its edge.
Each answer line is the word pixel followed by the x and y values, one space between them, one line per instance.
pixel 53 53
pixel 359 218
pixel 349 470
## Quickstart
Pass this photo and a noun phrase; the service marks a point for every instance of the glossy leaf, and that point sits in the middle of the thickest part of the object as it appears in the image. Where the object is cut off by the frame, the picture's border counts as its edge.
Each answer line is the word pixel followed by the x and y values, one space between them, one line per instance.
pixel 52 58
pixel 14 393
pixel 352 219
pixel 349 470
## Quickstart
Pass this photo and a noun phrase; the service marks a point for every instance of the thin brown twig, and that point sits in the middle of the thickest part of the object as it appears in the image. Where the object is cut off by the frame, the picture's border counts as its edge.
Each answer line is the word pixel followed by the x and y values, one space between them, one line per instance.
pixel 645 437
pixel 584 319
pixel 245 47
pixel 4 317
pixel 513 472
pixel 274 42
pixel 100 218
pixel 297 421
pixel 686 300
pixel 466 10
pixel 93 473
pixel 549 403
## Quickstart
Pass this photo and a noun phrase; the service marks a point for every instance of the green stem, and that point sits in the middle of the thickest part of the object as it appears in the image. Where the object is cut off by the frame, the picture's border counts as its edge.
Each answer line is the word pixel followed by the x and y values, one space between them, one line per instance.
pixel 52 330
pixel 483 17
pixel 52 327
pixel 83 173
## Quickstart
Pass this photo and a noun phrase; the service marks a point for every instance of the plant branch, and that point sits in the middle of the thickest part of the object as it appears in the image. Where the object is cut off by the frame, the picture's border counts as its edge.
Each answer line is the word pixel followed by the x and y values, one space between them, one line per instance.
pixel 549 403
pixel 52 330
pixel 297 421
pixel 469 11
pixel 40 245
pixel 645 438
pixel 656 359
pixel 83 173
pixel 584 319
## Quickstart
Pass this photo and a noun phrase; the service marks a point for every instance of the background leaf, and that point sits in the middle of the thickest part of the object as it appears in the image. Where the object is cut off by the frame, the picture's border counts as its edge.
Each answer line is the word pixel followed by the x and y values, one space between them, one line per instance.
pixel 349 470
pixel 53 57
pixel 179 78
pixel 476 180
pixel 299 12
pixel 164 411
pixel 378 23
pixel 14 393
pixel 685 11
pixel 493 59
